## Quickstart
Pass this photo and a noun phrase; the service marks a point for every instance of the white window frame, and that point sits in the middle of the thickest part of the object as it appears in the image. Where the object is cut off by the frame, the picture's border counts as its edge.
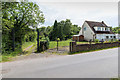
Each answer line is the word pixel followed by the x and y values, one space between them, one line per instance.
pixel 98 28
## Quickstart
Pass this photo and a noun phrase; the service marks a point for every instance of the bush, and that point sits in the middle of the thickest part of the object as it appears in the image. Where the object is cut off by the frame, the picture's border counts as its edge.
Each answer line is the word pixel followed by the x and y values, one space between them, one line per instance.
pixel 111 40
pixel 116 40
pixel 96 41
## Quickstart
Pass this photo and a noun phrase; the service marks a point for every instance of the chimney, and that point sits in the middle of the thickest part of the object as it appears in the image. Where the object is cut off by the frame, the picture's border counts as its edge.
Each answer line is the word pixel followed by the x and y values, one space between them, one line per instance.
pixel 103 22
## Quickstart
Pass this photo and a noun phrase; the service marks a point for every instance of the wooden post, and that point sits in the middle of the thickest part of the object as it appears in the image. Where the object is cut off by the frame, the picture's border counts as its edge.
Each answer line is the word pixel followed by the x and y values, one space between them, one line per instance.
pixel 90 41
pixel 57 45
pixel 38 47
pixel 72 46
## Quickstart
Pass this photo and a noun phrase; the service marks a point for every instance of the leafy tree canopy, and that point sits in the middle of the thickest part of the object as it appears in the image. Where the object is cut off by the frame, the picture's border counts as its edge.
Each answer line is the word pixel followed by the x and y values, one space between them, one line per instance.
pixel 17 17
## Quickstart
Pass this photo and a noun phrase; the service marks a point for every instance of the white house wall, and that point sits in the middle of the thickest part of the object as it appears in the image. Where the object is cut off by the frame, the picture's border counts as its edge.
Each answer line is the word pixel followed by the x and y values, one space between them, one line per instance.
pixel 88 33
pixel 103 36
pixel 80 33
pixel 117 36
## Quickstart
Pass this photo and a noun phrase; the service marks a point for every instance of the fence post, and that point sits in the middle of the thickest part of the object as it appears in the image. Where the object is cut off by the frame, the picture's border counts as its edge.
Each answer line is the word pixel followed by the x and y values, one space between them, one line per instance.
pixel 72 46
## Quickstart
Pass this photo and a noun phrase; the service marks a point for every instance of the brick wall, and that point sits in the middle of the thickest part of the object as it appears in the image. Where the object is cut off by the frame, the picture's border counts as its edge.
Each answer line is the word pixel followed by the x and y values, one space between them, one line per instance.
pixel 84 47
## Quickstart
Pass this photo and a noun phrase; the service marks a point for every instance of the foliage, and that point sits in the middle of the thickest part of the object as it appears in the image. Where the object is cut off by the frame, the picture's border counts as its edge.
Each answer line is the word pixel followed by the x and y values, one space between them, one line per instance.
pixel 75 29
pixel 115 79
pixel 30 36
pixel 67 29
pixel 54 32
pixel 116 30
pixel 96 40
pixel 63 30
pixel 17 19
pixel 111 40
pixel 60 34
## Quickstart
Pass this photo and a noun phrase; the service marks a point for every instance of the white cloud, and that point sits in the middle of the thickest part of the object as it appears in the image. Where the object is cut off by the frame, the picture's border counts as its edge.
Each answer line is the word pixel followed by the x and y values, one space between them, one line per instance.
pixel 78 12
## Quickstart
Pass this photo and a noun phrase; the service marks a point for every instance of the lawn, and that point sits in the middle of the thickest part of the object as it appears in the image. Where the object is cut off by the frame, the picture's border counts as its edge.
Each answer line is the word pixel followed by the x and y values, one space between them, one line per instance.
pixel 53 44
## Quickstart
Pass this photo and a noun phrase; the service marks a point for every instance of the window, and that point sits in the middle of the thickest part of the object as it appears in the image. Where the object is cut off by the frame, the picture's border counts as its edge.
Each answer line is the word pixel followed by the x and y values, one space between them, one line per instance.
pixel 102 28
pixel 99 28
pixel 105 29
pixel 95 28
pixel 107 37
pixel 108 29
pixel 110 36
pixel 114 36
pixel 84 28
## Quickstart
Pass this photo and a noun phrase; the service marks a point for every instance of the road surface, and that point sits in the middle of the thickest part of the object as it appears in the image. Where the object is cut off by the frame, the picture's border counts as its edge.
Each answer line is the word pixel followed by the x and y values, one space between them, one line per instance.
pixel 97 64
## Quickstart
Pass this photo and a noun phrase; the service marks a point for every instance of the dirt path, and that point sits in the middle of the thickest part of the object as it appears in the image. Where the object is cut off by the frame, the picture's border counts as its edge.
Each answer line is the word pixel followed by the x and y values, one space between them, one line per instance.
pixel 48 53
pixel 64 49
pixel 27 48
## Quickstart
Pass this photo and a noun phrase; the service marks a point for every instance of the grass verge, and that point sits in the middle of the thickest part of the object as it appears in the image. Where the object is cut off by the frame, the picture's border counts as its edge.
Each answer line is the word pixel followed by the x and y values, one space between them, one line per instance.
pixel 9 57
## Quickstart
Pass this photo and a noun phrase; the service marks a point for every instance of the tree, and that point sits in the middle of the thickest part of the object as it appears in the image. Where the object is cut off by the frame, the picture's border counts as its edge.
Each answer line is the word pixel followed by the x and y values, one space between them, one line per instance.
pixel 67 28
pixel 48 30
pixel 54 33
pixel 75 29
pixel 17 17
pixel 116 29
pixel 60 31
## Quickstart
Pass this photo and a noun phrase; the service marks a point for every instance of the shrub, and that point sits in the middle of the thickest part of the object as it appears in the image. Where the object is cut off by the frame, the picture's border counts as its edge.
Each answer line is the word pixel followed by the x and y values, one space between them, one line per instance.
pixel 116 40
pixel 111 40
pixel 96 41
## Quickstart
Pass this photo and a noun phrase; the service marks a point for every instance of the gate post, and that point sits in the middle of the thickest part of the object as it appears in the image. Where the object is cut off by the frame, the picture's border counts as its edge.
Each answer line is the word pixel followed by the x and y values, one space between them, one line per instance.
pixel 72 46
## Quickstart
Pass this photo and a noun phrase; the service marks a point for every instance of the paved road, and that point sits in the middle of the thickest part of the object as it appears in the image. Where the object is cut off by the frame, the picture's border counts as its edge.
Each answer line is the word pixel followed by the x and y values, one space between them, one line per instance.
pixel 98 64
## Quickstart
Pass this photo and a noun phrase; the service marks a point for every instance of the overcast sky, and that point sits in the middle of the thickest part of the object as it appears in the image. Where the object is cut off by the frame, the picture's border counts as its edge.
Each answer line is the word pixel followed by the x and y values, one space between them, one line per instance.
pixel 78 12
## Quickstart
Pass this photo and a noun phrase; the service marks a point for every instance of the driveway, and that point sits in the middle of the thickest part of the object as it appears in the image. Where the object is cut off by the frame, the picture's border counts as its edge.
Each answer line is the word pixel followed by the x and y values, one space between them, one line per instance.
pixel 97 64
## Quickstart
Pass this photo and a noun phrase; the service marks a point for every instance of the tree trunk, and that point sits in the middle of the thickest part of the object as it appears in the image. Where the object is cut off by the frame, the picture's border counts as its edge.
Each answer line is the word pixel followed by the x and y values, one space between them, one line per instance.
pixel 13 39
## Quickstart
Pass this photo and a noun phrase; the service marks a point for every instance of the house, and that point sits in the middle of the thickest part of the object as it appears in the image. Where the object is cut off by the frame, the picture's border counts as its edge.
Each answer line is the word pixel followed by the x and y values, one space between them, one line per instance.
pixel 117 36
pixel 92 30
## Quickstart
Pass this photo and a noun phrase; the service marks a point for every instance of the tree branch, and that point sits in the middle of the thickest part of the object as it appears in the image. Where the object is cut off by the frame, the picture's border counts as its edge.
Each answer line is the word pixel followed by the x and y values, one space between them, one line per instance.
pixel 7 26
pixel 24 24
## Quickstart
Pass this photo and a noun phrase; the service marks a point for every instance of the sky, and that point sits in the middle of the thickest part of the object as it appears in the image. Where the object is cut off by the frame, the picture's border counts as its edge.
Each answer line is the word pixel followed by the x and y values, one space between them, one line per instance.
pixel 78 11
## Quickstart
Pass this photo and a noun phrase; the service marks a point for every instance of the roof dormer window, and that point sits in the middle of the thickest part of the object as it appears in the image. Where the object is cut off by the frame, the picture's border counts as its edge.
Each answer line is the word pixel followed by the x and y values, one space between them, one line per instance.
pixel 99 28
pixel 103 28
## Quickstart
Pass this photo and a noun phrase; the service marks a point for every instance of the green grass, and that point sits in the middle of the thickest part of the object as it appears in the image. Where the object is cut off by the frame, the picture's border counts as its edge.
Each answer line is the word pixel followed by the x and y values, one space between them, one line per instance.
pixel 8 57
pixel 115 79
pixel 27 44
pixel 53 44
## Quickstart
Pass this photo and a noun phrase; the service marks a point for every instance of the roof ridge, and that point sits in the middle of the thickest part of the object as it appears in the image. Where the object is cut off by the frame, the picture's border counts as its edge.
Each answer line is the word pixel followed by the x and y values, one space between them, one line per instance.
pixel 93 21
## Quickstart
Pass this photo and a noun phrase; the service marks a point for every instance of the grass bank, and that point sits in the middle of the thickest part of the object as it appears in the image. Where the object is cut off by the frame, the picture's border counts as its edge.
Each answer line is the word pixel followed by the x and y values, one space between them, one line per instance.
pixel 8 57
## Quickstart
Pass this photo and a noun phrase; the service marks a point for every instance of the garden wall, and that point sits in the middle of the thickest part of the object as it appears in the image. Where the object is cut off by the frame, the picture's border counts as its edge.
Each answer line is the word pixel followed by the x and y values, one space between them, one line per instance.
pixel 86 47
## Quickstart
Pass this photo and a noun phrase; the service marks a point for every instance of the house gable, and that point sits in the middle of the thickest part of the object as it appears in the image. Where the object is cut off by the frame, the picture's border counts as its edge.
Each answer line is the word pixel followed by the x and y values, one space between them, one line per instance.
pixel 87 32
